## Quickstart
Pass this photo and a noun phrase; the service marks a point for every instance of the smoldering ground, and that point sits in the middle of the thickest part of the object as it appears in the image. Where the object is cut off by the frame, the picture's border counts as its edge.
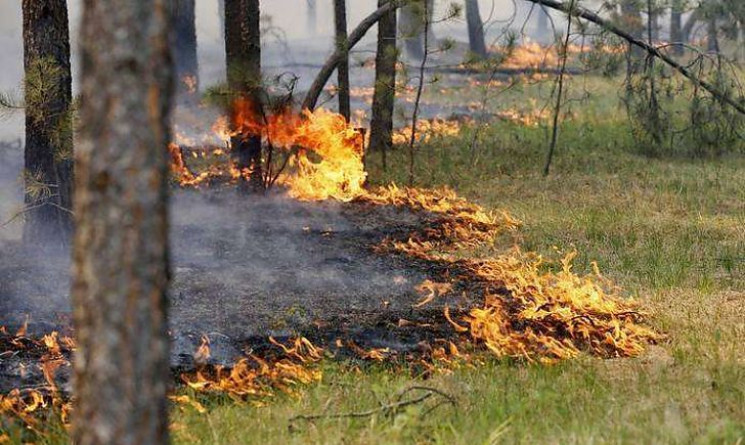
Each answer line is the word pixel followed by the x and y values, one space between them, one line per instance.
pixel 246 267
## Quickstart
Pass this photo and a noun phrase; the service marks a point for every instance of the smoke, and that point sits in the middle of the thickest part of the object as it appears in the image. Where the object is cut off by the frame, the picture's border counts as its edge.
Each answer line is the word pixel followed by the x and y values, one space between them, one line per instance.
pixel 263 265
pixel 243 266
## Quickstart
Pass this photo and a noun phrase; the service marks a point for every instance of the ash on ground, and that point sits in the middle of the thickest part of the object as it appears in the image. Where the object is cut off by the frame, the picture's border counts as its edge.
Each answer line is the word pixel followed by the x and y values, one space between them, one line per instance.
pixel 249 267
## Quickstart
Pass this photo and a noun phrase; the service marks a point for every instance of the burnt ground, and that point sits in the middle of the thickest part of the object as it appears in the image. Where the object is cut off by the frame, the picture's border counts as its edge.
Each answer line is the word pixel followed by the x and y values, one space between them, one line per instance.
pixel 246 268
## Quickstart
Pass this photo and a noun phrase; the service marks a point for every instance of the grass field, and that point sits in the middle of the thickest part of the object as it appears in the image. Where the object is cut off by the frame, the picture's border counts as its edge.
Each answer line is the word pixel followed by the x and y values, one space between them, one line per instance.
pixel 671 232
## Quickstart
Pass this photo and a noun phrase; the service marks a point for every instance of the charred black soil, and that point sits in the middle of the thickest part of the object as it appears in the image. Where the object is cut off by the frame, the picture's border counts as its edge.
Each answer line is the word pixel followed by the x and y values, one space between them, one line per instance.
pixel 246 268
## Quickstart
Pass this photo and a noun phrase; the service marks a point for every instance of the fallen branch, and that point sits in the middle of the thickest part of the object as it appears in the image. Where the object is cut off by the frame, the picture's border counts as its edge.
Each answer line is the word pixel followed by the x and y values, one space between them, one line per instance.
pixel 311 98
pixel 580 12
pixel 390 408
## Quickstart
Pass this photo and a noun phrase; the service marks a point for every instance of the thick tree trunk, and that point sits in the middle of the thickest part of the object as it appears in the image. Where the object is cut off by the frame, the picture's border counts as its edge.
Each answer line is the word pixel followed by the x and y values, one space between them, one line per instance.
pixel 381 125
pixel 243 57
pixel 185 48
pixel 476 41
pixel 48 91
pixel 120 252
pixel 342 45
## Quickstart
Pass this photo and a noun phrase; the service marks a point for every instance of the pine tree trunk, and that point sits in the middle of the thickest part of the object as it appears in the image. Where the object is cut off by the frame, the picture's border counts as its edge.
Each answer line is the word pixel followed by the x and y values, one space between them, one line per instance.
pixel 712 36
pixel 49 146
pixel 120 275
pixel 381 124
pixel 676 27
pixel 632 22
pixel 243 57
pixel 342 43
pixel 475 28
pixel 185 49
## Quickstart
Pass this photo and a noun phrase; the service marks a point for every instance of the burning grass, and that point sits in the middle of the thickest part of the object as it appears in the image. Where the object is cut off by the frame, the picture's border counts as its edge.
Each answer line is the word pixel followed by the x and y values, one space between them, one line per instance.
pixel 525 307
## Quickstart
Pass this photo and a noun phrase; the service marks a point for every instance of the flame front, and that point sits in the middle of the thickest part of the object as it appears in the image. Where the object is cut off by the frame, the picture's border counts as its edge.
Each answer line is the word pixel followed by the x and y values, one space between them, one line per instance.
pixel 324 153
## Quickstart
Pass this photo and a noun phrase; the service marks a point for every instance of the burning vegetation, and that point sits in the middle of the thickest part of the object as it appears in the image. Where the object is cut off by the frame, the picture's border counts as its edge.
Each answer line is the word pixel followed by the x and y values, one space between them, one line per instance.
pixel 513 304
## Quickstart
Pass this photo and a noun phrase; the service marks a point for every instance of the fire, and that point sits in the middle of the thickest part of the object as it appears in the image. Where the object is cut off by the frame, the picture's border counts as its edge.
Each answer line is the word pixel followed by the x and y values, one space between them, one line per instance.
pixel 526 312
pixel 259 377
pixel 427 129
pixel 316 155
pixel 27 404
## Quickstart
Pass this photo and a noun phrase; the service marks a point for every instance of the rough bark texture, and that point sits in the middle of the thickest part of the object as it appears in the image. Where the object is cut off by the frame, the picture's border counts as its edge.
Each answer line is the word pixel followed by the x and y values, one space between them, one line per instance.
pixel 340 23
pixel 48 154
pixel 381 124
pixel 243 58
pixel 314 92
pixel 475 28
pixel 185 48
pixel 120 251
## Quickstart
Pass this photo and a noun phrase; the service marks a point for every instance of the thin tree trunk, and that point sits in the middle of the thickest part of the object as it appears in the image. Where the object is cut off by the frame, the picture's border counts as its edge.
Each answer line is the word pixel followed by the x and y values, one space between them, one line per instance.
pixel 559 93
pixel 49 146
pixel 475 28
pixel 185 48
pixel 243 57
pixel 384 98
pixel 712 37
pixel 631 19
pixel 314 92
pixel 676 27
pixel 652 51
pixel 418 98
pixel 342 45
pixel 120 251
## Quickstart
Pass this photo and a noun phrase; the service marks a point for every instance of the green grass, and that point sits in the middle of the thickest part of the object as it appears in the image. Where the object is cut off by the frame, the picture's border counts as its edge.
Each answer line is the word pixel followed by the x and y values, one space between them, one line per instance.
pixel 669 231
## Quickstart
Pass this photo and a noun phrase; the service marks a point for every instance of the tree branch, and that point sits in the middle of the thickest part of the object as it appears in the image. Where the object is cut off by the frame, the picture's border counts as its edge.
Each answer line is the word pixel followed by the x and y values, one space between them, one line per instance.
pixel 590 16
pixel 311 98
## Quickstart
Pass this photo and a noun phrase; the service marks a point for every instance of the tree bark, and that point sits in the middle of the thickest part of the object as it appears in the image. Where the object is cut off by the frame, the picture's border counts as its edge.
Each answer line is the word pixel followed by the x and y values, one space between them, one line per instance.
pixel 342 45
pixel 185 48
pixel 49 145
pixel 120 274
pixel 314 92
pixel 475 28
pixel 243 58
pixel 384 97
